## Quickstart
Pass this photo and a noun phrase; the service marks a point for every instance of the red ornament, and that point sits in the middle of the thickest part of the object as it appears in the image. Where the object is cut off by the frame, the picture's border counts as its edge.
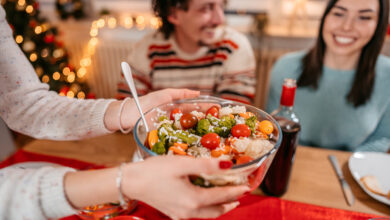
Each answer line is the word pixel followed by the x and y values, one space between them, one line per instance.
pixel 71 68
pixel 32 24
pixel 12 27
pixel 49 38
pixel 36 5
pixel 59 44
pixel 64 90
pixel 91 95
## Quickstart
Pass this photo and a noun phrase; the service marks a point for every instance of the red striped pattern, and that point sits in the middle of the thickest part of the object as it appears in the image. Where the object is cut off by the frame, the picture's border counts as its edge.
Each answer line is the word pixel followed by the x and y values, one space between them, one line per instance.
pixel 226 42
pixel 169 61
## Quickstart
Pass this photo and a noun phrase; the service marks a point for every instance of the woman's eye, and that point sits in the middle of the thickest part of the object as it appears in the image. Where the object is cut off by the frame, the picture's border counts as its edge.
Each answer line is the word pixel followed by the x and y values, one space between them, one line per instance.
pixel 338 14
pixel 365 18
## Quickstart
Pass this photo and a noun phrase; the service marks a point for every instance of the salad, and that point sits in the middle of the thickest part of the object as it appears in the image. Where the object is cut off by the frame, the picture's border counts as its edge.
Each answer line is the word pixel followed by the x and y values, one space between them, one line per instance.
pixel 227 133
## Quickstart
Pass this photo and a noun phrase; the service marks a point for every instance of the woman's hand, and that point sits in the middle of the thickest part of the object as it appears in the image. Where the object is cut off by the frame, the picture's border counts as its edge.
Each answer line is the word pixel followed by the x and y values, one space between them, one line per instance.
pixel 163 182
pixel 130 112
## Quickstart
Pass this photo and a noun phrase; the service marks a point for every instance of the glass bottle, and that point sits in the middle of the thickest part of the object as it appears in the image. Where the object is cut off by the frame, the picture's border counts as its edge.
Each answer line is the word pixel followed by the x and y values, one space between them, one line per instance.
pixel 276 181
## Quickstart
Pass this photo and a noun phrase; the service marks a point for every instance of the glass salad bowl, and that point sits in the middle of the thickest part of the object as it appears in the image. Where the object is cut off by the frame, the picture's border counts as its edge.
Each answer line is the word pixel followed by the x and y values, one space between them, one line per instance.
pixel 249 172
pixel 106 211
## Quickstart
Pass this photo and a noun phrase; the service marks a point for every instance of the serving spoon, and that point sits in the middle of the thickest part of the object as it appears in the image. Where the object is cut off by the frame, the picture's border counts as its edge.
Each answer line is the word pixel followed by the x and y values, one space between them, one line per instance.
pixel 129 79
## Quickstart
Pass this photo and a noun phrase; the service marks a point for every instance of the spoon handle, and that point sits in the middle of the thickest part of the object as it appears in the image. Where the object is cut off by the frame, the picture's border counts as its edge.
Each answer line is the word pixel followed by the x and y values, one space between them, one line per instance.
pixel 129 79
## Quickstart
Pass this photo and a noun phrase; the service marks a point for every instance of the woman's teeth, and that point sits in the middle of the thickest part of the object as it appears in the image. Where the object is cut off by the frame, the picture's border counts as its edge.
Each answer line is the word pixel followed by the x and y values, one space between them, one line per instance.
pixel 344 40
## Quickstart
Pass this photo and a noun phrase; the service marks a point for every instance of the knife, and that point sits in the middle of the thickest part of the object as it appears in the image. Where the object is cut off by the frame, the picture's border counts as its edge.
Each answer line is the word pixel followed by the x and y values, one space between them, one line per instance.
pixel 344 185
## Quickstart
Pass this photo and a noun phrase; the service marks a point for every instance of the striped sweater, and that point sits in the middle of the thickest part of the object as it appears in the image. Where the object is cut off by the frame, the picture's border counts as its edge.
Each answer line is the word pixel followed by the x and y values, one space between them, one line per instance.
pixel 225 68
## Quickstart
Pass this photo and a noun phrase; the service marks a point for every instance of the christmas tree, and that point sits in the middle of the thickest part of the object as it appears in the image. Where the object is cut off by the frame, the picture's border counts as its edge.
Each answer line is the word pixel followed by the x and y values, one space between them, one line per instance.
pixel 38 40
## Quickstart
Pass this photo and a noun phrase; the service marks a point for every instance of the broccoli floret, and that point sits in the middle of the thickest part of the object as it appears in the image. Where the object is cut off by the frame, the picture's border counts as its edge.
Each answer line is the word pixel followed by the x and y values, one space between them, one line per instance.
pixel 213 120
pixel 191 131
pixel 159 148
pixel 162 118
pixel 225 124
pixel 164 130
pixel 251 122
pixel 185 137
pixel 203 127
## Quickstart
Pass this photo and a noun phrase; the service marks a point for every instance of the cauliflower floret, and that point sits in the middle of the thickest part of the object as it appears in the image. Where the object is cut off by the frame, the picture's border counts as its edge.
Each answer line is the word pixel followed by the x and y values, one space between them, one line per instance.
pixel 197 114
pixel 239 120
pixel 238 109
pixel 200 152
pixel 225 111
pixel 258 148
pixel 241 144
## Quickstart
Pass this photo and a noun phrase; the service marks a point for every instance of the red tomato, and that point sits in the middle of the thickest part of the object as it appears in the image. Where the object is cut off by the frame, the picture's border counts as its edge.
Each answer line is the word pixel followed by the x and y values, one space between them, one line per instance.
pixel 210 141
pixel 188 120
pixel 213 111
pixel 174 112
pixel 241 130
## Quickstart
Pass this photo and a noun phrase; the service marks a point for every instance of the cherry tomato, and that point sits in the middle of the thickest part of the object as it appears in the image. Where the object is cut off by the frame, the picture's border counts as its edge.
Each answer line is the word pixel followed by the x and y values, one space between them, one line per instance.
pixel 241 130
pixel 210 141
pixel 213 111
pixel 174 112
pixel 266 127
pixel 188 120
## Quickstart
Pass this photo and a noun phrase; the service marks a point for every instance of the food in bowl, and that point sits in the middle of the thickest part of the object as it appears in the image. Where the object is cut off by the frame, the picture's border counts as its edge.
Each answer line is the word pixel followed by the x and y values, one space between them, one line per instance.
pixel 106 211
pixel 229 133
pixel 209 127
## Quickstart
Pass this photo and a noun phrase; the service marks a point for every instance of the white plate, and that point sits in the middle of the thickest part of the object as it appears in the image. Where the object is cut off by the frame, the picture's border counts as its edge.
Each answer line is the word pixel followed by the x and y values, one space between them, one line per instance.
pixel 375 164
pixel 33 165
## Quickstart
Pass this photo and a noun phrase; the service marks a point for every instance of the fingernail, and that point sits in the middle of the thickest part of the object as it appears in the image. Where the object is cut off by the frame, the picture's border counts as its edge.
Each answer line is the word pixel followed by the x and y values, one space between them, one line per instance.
pixel 225 164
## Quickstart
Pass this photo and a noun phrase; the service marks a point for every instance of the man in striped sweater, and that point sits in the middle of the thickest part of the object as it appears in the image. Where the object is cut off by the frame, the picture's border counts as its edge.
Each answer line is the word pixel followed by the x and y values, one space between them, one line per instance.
pixel 193 50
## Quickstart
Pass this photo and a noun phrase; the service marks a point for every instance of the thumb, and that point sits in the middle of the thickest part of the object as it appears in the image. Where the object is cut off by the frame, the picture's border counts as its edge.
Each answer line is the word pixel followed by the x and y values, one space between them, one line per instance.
pixel 182 93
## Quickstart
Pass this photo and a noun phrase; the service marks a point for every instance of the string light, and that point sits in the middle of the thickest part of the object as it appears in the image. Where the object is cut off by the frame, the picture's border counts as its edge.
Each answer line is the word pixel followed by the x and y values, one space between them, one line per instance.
pixel 94 32
pixel 56 75
pixel 45 78
pixel 100 23
pixel 81 73
pixel 45 27
pixel 81 95
pixel 61 94
pixel 155 22
pixel 29 9
pixel 85 62
pixel 19 39
pixel 128 22
pixel 71 77
pixel 66 71
pixel 21 2
pixel 93 42
pixel 33 57
pixel 111 22
pixel 140 20
pixel 70 94
pixel 38 29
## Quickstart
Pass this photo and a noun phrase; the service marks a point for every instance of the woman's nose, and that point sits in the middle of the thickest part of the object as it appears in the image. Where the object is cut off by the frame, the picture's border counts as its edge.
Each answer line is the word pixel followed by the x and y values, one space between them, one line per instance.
pixel 348 23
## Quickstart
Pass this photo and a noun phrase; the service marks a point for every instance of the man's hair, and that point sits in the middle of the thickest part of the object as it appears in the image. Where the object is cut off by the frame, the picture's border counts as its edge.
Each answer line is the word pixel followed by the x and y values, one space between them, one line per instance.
pixel 162 9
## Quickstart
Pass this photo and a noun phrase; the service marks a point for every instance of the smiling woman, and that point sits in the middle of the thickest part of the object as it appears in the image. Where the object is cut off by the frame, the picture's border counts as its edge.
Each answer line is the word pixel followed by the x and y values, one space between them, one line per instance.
pixel 343 78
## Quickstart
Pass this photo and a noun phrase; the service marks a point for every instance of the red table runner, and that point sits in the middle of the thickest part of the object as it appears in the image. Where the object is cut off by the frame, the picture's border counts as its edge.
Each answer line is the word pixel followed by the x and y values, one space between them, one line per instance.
pixel 251 206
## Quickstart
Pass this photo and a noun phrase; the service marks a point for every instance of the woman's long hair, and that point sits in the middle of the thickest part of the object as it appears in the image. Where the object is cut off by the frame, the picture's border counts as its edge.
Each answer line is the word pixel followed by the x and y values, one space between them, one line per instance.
pixel 364 79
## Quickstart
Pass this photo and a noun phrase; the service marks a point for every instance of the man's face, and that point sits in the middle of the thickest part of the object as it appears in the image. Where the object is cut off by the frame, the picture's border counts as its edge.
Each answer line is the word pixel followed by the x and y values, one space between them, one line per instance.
pixel 198 24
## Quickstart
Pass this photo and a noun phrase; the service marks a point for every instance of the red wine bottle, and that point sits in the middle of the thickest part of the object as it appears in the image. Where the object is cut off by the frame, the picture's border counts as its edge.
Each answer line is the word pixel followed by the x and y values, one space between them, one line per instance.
pixel 276 181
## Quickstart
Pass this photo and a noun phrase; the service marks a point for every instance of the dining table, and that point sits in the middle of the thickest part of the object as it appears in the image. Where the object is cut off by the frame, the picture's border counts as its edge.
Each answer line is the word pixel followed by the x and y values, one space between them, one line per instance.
pixel 312 181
